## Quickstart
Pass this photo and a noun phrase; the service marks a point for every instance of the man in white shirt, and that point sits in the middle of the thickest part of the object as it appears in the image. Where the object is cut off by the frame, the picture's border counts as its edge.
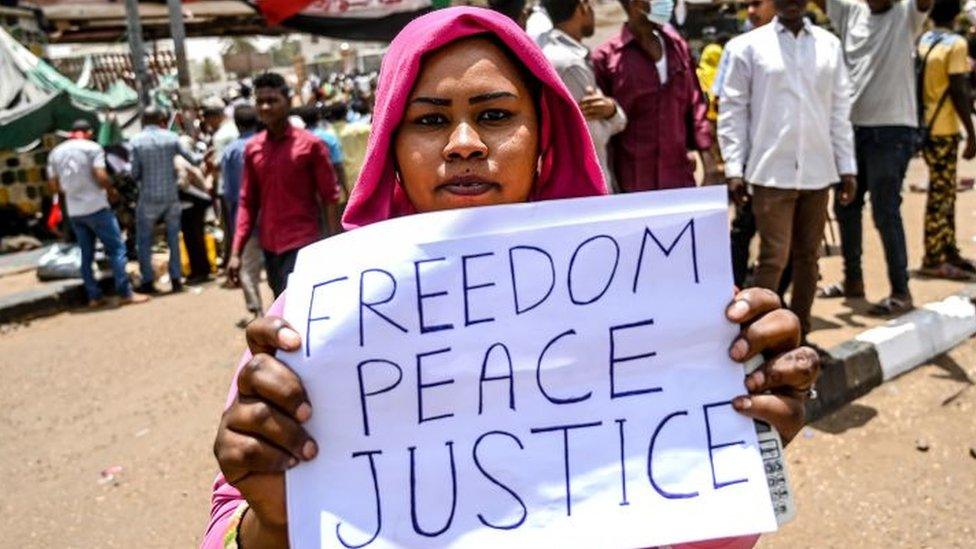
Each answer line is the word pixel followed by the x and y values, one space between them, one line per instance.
pixel 573 21
pixel 878 38
pixel 77 168
pixel 784 126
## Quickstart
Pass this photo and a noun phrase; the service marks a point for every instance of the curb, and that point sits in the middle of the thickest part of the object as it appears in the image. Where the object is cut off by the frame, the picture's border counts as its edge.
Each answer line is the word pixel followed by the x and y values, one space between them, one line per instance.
pixel 880 354
pixel 54 297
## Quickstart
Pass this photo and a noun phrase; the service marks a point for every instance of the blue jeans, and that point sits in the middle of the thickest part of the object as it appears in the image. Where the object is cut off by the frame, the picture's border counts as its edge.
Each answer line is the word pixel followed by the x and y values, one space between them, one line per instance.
pixel 883 153
pixel 147 215
pixel 104 226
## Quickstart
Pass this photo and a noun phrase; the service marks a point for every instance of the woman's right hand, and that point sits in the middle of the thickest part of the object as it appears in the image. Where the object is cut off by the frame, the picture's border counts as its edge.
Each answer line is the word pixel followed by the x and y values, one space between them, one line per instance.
pixel 261 434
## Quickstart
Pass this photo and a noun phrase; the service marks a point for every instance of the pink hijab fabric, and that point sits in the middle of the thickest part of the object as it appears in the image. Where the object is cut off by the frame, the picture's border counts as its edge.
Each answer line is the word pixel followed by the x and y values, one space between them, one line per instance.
pixel 569 166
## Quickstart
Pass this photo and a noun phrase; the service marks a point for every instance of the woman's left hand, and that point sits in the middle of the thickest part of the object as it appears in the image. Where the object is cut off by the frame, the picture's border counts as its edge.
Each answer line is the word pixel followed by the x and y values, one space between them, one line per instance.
pixel 779 388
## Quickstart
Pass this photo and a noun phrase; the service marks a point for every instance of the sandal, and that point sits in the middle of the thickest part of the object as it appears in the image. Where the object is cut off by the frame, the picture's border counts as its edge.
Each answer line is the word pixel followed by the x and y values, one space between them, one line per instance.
pixel 832 291
pixel 946 271
pixel 891 306
pixel 841 289
pixel 963 263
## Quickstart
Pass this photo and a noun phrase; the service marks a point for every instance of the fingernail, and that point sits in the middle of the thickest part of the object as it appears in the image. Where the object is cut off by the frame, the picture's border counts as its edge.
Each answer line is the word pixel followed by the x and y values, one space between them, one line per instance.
pixel 289 338
pixel 309 450
pixel 738 309
pixel 303 412
pixel 742 403
pixel 755 381
pixel 739 349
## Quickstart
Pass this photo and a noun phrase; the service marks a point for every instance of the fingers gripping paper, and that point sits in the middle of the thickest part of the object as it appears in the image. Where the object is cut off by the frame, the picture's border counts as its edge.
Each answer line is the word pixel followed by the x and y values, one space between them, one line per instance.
pixel 536 375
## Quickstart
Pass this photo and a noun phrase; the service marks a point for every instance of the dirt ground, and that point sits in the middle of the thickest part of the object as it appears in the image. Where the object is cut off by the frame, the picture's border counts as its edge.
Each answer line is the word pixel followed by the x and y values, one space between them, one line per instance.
pixel 861 481
pixel 141 388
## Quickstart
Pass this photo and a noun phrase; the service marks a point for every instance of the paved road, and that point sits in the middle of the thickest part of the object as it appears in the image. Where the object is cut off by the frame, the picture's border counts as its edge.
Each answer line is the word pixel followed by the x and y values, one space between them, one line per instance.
pixel 143 387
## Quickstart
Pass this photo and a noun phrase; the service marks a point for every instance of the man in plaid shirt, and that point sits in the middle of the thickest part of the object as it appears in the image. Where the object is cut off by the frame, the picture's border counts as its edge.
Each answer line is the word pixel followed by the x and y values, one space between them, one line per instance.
pixel 153 152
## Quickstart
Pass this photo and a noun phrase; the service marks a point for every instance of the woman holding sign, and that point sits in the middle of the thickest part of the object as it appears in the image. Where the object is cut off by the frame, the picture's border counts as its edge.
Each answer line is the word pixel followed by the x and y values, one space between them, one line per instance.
pixel 468 113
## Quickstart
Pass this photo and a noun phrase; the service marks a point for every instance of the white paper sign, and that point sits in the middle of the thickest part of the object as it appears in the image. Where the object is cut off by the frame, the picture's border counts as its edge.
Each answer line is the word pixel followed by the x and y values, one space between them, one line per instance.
pixel 539 375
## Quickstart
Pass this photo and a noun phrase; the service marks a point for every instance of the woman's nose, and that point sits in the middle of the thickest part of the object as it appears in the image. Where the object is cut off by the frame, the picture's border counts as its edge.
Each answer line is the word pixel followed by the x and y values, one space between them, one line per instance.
pixel 465 144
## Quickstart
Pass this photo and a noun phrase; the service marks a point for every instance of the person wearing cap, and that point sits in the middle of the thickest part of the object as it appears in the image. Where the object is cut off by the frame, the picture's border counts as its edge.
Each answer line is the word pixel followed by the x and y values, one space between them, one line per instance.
pixel 77 168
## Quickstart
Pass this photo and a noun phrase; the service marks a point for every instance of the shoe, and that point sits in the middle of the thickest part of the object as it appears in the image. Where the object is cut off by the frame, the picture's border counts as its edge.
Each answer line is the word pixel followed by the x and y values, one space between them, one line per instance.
pixel 963 263
pixel 176 288
pixel 853 289
pixel 201 279
pixel 892 306
pixel 147 289
pixel 134 299
pixel 946 271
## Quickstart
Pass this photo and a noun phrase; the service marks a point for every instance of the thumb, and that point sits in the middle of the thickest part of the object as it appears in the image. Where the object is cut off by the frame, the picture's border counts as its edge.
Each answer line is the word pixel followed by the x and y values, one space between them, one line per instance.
pixel 590 90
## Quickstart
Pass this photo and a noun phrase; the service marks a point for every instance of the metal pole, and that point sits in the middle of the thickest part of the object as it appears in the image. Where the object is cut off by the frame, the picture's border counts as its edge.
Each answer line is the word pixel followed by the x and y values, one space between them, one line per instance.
pixel 178 32
pixel 137 50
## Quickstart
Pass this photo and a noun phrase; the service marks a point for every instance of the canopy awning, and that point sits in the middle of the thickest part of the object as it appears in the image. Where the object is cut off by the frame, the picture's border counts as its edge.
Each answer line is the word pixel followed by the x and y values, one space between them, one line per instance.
pixel 36 99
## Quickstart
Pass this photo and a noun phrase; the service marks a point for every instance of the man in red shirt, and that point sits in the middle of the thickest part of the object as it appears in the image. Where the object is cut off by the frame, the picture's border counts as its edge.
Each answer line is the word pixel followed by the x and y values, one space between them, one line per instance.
pixel 647 69
pixel 287 184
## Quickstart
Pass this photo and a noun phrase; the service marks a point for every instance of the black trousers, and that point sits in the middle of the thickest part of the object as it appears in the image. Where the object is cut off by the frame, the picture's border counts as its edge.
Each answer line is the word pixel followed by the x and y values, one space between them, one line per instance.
pixel 278 267
pixel 192 224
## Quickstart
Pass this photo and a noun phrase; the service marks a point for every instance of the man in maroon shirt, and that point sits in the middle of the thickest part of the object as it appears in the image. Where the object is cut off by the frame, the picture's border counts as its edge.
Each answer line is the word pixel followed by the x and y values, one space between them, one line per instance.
pixel 647 69
pixel 288 182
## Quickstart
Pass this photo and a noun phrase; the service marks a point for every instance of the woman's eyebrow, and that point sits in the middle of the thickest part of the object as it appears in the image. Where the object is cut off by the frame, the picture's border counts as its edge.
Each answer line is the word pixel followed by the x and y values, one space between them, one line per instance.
pixel 489 96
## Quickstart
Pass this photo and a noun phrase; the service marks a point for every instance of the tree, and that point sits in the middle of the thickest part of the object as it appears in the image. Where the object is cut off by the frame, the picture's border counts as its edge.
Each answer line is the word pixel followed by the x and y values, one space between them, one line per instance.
pixel 209 71
pixel 239 44
pixel 284 53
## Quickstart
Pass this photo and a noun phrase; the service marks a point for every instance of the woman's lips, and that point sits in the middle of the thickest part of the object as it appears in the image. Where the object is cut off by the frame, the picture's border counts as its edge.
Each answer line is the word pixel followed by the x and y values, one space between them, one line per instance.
pixel 468 186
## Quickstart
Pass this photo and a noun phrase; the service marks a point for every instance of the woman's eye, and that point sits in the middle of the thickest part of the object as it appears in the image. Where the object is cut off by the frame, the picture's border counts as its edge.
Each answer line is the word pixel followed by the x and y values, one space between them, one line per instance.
pixel 495 115
pixel 430 119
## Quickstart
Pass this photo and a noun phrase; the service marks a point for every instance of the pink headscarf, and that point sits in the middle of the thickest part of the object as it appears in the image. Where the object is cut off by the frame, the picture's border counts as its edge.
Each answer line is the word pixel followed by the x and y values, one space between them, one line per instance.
pixel 569 166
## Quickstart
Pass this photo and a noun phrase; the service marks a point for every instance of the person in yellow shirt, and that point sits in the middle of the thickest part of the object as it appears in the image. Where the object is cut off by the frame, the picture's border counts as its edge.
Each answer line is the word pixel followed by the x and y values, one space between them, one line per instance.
pixel 707 71
pixel 947 100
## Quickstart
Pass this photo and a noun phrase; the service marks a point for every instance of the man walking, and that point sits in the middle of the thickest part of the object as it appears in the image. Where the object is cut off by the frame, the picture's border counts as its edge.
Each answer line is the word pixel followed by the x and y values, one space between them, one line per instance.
pixel 287 174
pixel 77 168
pixel 784 127
pixel 947 99
pixel 573 21
pixel 878 37
pixel 153 152
pixel 647 69
pixel 231 172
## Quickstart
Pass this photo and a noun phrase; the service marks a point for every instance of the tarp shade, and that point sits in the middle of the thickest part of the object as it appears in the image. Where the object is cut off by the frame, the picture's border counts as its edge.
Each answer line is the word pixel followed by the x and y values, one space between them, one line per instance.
pixel 27 123
pixel 36 99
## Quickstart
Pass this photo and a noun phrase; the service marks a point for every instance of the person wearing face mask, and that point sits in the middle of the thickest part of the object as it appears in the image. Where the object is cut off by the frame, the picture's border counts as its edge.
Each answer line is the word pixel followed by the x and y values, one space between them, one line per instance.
pixel 647 68
pixel 574 20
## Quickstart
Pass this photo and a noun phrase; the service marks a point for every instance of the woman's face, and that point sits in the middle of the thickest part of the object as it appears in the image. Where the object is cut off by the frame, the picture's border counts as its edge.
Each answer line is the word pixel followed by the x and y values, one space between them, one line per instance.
pixel 469 135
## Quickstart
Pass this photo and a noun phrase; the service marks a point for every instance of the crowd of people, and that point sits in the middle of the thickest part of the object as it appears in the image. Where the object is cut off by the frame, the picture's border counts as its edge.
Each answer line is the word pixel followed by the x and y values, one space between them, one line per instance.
pixel 469 112
pixel 785 114
pixel 782 114
pixel 217 168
